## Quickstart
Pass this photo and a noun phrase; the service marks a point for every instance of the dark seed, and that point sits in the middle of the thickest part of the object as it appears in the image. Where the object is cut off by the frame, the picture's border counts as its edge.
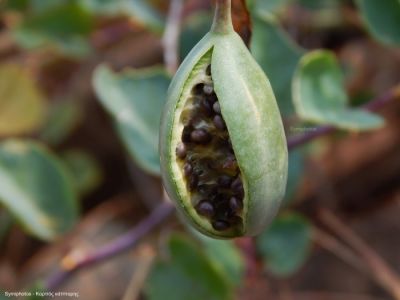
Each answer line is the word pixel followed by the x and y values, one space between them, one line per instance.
pixel 230 163
pixel 200 136
pixel 224 181
pixel 194 180
pixel 208 70
pixel 205 208
pixel 220 225
pixel 237 188
pixel 217 107
pixel 212 98
pixel 235 204
pixel 219 122
pixel 181 151
pixel 237 185
pixel 198 89
pixel 208 89
pixel 187 169
pixel 207 189
pixel 207 107
pixel 186 134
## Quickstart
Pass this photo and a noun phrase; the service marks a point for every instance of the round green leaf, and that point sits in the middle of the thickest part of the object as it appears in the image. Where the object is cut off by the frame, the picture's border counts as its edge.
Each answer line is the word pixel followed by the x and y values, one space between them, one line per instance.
pixel 319 95
pixel 36 189
pixel 187 275
pixel 135 99
pixel 382 19
pixel 225 257
pixel 66 26
pixel 286 244
pixel 141 10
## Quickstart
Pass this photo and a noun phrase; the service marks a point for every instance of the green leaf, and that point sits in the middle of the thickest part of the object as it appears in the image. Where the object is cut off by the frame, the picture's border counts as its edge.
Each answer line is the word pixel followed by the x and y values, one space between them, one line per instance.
pixel 66 27
pixel 318 5
pixel 286 244
pixel 6 222
pixel 85 170
pixel 135 99
pixel 263 7
pixel 63 118
pixel 295 173
pixel 187 275
pixel 225 257
pixel 195 26
pixel 278 56
pixel 37 6
pixel 382 19
pixel 36 189
pixel 22 105
pixel 19 5
pixel 140 10
pixel 319 95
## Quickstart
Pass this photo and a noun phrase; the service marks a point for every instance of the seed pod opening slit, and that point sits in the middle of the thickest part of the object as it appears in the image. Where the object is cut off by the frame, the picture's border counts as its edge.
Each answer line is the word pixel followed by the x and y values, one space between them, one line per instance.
pixel 222 143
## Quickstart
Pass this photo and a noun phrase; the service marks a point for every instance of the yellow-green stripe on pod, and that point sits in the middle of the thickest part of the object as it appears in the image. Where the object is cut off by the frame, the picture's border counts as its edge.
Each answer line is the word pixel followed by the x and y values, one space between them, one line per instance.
pixel 223 149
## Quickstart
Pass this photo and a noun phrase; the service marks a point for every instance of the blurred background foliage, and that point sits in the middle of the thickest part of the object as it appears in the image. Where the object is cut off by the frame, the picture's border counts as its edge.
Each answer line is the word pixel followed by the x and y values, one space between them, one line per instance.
pixel 82 85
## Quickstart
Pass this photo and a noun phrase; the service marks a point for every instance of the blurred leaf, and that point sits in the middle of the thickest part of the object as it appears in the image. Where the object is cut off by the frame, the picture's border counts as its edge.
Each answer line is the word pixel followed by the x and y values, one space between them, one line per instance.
pixel 43 5
pixel 319 95
pixel 265 7
pixel 22 106
pixel 286 244
pixel 225 257
pixel 84 169
pixel 135 99
pixel 194 27
pixel 278 56
pixel 65 26
pixel 20 5
pixel 382 19
pixel 36 189
pixel 63 118
pixel 140 10
pixel 295 174
pixel 318 5
pixel 188 274
pixel 6 222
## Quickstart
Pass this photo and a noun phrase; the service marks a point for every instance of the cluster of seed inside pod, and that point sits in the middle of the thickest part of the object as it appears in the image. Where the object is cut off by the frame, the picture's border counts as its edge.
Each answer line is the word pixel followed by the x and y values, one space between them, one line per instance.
pixel 207 160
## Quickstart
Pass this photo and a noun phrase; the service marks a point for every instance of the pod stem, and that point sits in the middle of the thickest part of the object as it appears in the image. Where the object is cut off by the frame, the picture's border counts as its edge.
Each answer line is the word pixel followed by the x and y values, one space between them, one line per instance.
pixel 222 23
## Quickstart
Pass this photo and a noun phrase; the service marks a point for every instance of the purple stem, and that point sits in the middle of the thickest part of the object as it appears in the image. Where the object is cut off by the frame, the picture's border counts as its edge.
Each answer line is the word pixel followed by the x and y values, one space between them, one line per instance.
pixel 129 239
pixel 117 246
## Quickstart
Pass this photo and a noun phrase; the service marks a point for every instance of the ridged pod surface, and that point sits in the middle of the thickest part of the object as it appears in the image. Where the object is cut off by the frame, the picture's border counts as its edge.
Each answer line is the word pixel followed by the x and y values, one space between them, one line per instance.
pixel 223 149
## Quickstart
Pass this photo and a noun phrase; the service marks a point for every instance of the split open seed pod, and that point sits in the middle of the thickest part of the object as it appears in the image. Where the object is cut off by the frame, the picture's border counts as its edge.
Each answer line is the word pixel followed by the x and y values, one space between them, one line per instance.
pixel 223 148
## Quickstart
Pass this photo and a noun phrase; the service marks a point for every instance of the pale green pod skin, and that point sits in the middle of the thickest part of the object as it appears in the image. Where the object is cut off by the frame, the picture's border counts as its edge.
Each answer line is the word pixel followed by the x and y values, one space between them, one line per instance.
pixel 253 121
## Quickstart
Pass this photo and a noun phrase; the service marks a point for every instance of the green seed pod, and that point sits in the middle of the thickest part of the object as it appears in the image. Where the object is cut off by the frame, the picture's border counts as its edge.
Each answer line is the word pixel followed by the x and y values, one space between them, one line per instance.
pixel 222 143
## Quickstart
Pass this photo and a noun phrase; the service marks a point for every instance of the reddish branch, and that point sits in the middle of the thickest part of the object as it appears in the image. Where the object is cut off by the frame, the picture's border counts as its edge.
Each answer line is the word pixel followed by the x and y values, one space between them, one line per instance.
pixel 117 246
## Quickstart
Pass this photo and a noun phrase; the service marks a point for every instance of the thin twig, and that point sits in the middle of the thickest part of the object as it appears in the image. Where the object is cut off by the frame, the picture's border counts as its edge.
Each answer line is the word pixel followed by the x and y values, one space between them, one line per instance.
pixel 374 105
pixel 113 248
pixel 333 245
pixel 170 39
pixel 384 274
